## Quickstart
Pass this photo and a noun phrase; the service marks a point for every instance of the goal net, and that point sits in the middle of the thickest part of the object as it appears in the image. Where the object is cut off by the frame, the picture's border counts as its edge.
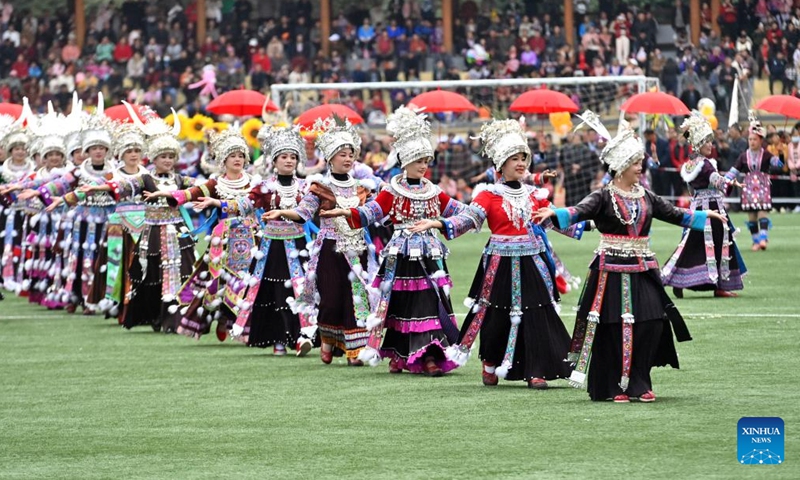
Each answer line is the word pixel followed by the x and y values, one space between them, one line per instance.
pixel 555 146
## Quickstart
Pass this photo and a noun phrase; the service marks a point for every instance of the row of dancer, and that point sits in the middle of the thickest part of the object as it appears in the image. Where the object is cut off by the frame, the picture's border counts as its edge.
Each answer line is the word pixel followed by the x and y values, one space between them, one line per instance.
pixel 264 283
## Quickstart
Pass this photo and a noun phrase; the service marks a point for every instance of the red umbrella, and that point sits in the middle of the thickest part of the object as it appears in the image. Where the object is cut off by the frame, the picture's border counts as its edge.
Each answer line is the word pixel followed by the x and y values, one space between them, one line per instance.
pixel 543 101
pixel 653 103
pixel 309 117
pixel 442 101
pixel 241 103
pixel 12 109
pixel 120 113
pixel 786 105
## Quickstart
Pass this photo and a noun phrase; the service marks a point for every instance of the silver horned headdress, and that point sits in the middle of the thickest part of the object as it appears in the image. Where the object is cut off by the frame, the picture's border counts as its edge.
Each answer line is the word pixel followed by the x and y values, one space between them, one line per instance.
pixel 412 137
pixel 502 139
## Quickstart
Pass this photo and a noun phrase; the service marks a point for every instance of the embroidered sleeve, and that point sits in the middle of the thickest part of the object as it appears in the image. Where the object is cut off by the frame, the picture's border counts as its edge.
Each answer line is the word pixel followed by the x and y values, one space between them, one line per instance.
pixel 586 209
pixel 126 187
pixel 308 207
pixel 191 194
pixel 470 219
pixel 372 211
pixel 74 198
pixel 449 207
pixel 719 182
pixel 574 231
pixel 57 188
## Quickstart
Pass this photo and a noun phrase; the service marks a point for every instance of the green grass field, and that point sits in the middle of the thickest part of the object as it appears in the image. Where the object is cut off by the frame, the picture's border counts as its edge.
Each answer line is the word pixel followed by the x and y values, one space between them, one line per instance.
pixel 82 398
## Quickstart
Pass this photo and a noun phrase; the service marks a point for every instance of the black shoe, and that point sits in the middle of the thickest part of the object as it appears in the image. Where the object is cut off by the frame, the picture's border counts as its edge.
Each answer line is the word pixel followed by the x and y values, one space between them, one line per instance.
pixel 678 292
pixel 2 297
pixel 156 327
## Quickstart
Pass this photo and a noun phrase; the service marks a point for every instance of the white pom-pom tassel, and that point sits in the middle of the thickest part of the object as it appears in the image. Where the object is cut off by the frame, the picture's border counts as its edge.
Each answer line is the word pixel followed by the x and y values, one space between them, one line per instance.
pixel 469 302
pixel 502 370
pixel 516 319
pixel 258 255
pixel 294 254
pixel 356 300
pixel 237 330
pixel 253 251
pixel 439 274
pixel 351 276
pixel 446 290
pixel 304 253
pixel 370 356
pixel 361 324
pixel 386 285
pixel 287 284
pixel 373 321
pixel 103 268
pixel 184 310
pixel 312 277
pixel 172 309
pixel 457 354
pixel 215 241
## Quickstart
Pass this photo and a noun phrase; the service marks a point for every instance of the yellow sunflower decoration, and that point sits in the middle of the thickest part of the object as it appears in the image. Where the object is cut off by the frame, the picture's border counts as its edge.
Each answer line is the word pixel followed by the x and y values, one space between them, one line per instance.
pixel 170 120
pixel 194 127
pixel 250 131
pixel 218 127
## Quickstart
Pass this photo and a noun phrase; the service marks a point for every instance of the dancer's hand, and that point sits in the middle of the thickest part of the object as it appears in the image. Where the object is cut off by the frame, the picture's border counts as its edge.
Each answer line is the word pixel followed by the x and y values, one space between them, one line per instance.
pixel 156 194
pixel 424 225
pixel 737 183
pixel 335 212
pixel 57 201
pixel 717 216
pixel 28 194
pixel 206 202
pixel 88 188
pixel 542 214
pixel 272 215
pixel 5 189
pixel 549 174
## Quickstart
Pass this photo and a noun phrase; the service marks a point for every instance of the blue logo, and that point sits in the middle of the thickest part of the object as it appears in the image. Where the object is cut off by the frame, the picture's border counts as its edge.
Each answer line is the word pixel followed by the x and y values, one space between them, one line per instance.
pixel 760 441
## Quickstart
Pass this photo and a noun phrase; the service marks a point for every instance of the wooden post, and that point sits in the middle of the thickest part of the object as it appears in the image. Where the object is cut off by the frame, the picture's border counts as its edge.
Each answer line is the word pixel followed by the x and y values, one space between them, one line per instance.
pixel 569 22
pixel 447 23
pixel 325 25
pixel 714 15
pixel 80 22
pixel 694 14
pixel 201 22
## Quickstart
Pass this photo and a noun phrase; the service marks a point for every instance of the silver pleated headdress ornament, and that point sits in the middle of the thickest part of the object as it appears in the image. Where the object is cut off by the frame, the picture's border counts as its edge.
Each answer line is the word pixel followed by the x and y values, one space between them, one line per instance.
pixel 97 128
pixel 277 140
pixel 622 150
pixel 502 139
pixel 15 134
pixel 412 137
pixel 223 144
pixel 755 124
pixel 697 130
pixel 49 132
pixel 160 137
pixel 335 134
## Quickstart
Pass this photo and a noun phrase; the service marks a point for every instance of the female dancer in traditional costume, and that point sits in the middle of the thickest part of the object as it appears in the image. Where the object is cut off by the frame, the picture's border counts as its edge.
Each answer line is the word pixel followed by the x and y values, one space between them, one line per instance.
pixel 89 212
pixel 707 260
pixel 414 284
pixel 755 165
pixel 17 167
pixel 125 225
pixel 623 324
pixel 513 301
pixel 214 289
pixel 335 292
pixel 276 270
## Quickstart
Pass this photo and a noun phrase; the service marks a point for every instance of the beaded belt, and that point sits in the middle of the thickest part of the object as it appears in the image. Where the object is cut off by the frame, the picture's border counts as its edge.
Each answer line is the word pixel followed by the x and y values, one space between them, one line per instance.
pixel 709 193
pixel 624 246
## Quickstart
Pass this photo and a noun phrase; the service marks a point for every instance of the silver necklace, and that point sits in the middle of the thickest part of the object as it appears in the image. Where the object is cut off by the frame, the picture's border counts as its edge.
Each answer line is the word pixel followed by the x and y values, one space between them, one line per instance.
pixel 517 205
pixel 349 183
pixel 228 189
pixel 635 194
pixel 287 194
